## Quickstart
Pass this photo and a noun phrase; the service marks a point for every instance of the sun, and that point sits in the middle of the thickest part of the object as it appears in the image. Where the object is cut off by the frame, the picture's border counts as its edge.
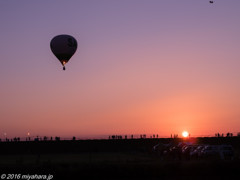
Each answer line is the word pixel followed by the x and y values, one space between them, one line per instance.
pixel 185 134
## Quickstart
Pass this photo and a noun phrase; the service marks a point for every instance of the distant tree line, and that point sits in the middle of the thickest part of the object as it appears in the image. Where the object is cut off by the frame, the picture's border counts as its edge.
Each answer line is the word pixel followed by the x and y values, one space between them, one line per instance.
pixel 141 136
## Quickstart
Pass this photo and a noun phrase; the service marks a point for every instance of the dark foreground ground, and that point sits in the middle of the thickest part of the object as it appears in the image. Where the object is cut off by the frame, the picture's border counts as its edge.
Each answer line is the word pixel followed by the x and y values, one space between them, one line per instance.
pixel 111 159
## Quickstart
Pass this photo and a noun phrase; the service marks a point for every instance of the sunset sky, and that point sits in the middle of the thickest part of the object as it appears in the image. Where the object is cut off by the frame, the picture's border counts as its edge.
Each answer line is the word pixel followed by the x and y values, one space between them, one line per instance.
pixel 141 67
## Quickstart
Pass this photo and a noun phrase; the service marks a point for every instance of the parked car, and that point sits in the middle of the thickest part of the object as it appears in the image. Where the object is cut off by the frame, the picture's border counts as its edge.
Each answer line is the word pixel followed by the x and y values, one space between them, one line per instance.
pixel 210 151
pixel 226 151
pixel 195 154
pixel 186 150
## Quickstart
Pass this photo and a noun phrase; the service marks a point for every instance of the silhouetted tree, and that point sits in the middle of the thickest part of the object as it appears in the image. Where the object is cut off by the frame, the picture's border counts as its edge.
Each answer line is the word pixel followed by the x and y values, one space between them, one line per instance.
pixel 74 138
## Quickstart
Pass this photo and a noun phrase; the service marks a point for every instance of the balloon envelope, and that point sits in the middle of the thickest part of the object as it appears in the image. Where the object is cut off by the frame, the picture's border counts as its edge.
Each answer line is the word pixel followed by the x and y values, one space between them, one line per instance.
pixel 63 47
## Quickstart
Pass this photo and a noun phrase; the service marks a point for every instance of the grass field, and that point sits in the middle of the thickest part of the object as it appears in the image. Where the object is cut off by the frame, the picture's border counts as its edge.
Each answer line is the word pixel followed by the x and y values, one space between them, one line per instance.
pixel 138 163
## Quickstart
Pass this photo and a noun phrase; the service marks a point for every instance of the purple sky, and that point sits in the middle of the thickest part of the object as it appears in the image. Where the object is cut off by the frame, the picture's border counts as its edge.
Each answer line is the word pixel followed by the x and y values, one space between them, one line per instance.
pixel 152 66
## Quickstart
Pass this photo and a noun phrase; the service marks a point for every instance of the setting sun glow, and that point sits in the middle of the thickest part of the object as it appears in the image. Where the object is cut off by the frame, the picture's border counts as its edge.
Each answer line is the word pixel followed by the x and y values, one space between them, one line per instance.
pixel 185 134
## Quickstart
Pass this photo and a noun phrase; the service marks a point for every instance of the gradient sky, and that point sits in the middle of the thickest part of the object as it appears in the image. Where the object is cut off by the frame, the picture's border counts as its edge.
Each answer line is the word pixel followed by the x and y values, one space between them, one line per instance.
pixel 142 66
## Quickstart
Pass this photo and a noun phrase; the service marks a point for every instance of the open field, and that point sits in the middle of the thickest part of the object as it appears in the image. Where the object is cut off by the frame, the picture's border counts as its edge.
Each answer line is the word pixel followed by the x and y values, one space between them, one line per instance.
pixel 113 159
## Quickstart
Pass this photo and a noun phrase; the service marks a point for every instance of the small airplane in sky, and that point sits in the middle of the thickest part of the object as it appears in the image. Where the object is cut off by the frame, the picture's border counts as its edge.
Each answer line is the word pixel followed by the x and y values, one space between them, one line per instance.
pixel 211 2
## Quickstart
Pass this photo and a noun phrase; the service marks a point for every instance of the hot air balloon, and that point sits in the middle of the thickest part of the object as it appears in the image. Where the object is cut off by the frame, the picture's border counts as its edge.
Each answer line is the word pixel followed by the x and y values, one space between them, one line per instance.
pixel 63 47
